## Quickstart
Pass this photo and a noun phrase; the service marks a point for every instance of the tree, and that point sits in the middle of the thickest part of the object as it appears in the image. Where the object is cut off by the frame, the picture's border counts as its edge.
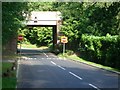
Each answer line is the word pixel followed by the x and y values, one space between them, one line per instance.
pixel 11 22
pixel 106 19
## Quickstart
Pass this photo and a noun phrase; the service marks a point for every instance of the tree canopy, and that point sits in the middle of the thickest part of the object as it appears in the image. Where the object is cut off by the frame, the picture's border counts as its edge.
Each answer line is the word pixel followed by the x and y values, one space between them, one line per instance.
pixel 11 19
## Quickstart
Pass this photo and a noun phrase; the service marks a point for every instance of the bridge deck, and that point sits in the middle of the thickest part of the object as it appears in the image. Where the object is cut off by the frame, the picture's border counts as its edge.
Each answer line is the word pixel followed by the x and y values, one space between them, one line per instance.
pixel 43 18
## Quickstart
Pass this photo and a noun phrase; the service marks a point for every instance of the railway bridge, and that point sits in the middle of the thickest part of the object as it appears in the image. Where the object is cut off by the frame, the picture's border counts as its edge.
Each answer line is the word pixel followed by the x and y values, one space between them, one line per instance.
pixel 45 19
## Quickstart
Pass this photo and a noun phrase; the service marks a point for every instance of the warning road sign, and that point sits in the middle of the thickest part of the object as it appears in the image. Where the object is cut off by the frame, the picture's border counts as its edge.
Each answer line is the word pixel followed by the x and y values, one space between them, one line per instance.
pixel 64 39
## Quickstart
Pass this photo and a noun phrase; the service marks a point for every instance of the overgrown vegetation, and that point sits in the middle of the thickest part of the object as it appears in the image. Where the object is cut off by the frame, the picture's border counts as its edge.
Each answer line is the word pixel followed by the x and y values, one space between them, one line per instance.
pixel 81 60
pixel 11 22
pixel 104 50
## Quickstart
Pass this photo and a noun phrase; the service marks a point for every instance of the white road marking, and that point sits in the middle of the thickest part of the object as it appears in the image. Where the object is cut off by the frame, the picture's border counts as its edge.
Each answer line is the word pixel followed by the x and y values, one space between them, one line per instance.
pixel 57 65
pixel 53 62
pixel 17 69
pixel 28 58
pixel 45 54
pixel 75 75
pixel 61 67
pixel 94 86
pixel 48 58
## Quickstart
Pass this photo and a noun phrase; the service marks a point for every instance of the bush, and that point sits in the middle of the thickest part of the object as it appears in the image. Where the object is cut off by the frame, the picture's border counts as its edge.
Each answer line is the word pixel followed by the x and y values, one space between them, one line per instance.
pixel 104 50
pixel 69 52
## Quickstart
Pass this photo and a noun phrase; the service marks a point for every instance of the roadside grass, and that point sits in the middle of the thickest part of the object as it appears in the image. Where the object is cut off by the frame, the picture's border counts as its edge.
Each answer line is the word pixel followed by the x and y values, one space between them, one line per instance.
pixel 0 75
pixel 27 46
pixel 9 81
pixel 10 57
pixel 76 58
pixel 32 46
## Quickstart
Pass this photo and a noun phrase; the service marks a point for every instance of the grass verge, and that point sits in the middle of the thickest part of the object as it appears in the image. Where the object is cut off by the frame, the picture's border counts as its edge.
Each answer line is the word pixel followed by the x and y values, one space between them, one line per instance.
pixel 8 81
pixel 32 46
pixel 9 56
pixel 27 46
pixel 76 58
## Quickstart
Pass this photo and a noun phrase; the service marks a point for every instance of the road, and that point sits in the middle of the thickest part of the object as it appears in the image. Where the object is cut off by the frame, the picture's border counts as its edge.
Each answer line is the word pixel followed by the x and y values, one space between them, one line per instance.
pixel 40 69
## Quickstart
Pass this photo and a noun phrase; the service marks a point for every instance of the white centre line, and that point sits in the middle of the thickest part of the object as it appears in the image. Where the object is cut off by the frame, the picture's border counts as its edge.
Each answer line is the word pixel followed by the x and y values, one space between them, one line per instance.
pixel 94 86
pixel 58 65
pixel 53 62
pixel 75 75
pixel 61 67
pixel 45 54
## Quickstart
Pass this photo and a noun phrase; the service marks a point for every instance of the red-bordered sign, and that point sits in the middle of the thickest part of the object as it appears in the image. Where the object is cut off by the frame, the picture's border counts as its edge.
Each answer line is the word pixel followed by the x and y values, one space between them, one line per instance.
pixel 64 39
pixel 20 37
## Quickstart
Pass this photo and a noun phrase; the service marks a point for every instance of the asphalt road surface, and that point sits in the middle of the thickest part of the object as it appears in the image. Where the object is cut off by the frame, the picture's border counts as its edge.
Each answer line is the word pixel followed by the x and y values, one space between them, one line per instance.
pixel 41 69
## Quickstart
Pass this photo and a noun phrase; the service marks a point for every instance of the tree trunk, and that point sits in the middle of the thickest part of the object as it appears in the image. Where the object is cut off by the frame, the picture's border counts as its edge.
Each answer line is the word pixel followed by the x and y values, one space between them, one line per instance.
pixel 10 47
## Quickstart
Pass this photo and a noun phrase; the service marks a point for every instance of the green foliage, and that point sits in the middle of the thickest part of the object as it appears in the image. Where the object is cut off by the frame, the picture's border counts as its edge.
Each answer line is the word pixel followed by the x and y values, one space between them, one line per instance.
pixel 104 18
pixel 40 6
pixel 97 18
pixel 104 50
pixel 11 19
pixel 40 36
pixel 69 52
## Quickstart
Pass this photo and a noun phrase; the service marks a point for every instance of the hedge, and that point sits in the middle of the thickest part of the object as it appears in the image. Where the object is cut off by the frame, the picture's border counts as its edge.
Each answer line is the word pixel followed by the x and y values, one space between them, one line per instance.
pixel 104 50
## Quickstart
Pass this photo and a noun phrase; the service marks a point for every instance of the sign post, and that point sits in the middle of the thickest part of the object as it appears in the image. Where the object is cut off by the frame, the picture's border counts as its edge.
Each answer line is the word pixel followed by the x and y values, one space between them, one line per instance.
pixel 63 48
pixel 64 40
pixel 20 38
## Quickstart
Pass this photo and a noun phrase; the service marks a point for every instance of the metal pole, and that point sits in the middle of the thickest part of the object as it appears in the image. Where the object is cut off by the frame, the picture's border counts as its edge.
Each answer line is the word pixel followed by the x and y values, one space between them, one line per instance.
pixel 63 48
pixel 20 50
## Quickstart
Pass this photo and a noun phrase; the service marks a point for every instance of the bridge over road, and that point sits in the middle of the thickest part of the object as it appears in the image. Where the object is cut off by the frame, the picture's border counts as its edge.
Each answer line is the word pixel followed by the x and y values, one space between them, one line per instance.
pixel 45 19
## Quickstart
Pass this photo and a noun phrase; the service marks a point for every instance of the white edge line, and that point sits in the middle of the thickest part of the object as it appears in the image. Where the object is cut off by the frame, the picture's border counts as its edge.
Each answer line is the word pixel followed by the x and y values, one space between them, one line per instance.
pixel 75 75
pixel 17 69
pixel 17 72
pixel 61 67
pixel 53 62
pixel 94 86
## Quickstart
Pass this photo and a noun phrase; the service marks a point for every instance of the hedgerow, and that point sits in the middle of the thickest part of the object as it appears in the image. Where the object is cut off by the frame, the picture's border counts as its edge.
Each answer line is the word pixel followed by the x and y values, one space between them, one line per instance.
pixel 104 50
